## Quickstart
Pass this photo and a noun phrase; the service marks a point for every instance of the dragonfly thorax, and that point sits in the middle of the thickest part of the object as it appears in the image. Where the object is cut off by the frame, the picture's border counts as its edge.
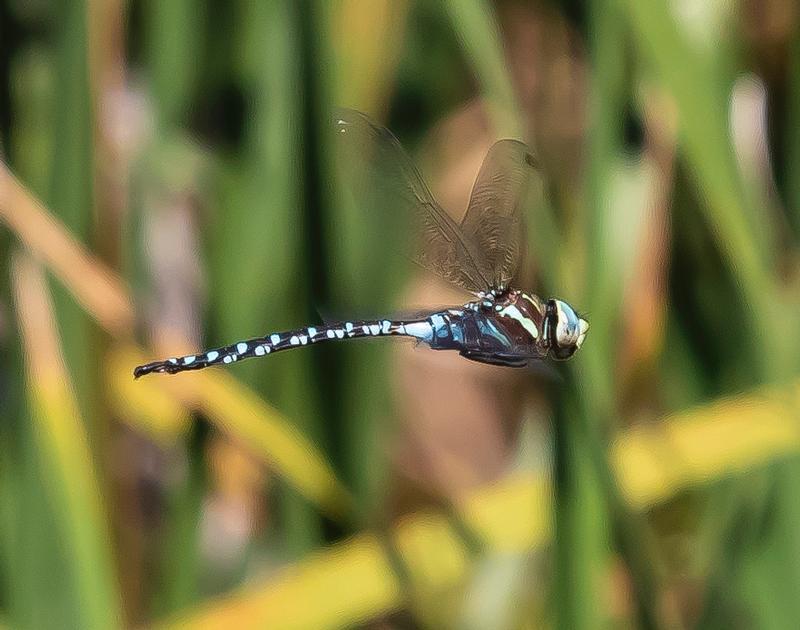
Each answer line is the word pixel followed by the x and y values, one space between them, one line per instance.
pixel 519 314
pixel 550 327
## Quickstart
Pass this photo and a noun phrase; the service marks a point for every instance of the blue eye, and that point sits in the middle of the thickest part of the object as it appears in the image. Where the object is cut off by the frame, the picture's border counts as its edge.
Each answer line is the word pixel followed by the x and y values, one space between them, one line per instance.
pixel 567 317
pixel 572 317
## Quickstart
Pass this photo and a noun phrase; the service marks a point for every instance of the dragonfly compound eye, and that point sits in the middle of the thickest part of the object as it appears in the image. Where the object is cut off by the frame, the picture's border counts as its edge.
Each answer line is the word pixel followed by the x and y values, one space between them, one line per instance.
pixel 570 330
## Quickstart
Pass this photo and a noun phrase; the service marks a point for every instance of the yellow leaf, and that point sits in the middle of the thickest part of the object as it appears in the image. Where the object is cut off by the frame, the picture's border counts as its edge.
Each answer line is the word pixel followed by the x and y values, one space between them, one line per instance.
pixel 98 289
pixel 358 565
pixel 654 462
pixel 60 436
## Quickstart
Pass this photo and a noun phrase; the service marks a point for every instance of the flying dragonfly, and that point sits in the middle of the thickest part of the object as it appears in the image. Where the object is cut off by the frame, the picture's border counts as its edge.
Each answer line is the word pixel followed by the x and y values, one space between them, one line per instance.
pixel 481 254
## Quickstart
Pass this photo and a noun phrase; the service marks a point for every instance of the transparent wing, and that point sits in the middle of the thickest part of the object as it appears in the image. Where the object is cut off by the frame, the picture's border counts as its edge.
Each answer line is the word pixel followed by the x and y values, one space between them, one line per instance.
pixel 376 159
pixel 493 220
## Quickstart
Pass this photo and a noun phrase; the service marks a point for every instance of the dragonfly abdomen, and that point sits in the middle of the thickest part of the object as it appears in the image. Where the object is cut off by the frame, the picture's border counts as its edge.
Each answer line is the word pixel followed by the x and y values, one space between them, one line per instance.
pixel 288 340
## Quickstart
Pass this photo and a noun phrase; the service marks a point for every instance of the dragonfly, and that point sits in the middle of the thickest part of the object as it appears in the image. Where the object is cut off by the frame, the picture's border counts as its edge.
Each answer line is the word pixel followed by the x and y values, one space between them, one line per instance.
pixel 481 254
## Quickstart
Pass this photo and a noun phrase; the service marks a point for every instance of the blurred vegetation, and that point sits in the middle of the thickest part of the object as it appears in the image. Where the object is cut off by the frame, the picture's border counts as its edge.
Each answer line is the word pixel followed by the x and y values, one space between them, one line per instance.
pixel 168 181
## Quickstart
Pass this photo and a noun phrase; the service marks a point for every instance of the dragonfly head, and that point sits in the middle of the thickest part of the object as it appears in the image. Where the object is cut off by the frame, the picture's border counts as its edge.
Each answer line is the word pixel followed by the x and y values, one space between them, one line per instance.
pixel 564 330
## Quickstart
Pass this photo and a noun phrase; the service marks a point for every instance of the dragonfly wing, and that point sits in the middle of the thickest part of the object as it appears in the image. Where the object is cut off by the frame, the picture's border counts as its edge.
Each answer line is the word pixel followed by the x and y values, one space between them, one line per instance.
pixel 494 219
pixel 376 159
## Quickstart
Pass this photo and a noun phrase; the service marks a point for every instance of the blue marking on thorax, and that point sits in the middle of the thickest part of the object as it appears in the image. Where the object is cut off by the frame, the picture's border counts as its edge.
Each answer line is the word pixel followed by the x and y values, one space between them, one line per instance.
pixel 488 328
pixel 457 331
pixel 440 327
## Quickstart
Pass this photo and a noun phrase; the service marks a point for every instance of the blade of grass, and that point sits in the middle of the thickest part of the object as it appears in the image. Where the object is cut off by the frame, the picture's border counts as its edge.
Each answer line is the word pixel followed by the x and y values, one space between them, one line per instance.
pixel 581 531
pixel 261 286
pixel 769 582
pixel 792 126
pixel 364 43
pixel 730 207
pixel 180 569
pixel 477 29
pixel 174 33
pixel 34 560
pixel 582 528
pixel 61 437
pixel 30 145
pixel 71 191
pixel 254 286
pixel 322 378
pixel 588 407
